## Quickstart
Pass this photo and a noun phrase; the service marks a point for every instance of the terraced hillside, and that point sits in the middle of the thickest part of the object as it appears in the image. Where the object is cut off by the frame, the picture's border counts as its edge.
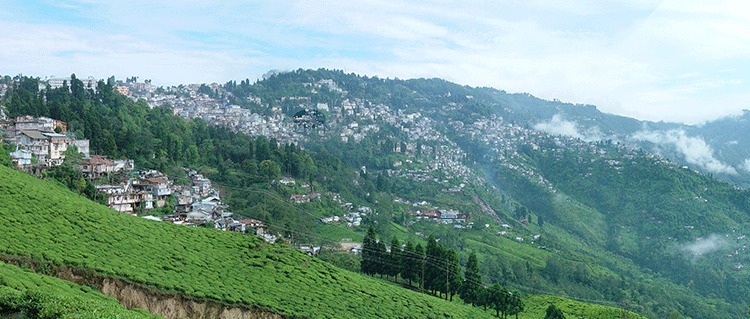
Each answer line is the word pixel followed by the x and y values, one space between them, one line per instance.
pixel 53 227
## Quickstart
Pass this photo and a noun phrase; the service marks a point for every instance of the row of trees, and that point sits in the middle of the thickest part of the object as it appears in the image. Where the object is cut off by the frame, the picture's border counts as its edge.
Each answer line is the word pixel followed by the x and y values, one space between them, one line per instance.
pixel 436 269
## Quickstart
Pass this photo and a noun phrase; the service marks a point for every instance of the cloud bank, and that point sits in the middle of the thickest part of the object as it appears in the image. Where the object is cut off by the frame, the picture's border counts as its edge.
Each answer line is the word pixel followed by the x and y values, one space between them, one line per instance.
pixel 695 150
pixel 704 246
pixel 557 125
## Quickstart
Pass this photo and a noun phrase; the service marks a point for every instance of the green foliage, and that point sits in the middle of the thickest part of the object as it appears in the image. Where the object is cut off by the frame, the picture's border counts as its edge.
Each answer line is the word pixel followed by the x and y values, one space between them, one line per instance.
pixel 5 155
pixel 471 287
pixel 369 257
pixel 554 313
pixel 36 296
pixel 46 222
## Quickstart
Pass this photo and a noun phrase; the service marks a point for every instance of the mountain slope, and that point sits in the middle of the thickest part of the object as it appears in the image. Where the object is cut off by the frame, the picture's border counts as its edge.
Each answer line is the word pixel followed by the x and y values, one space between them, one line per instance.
pixel 52 226
pixel 619 224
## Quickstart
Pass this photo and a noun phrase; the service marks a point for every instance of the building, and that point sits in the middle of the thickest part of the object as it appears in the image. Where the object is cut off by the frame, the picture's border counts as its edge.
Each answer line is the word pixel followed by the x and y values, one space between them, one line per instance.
pixel 83 147
pixel 21 157
pixel 96 166
pixel 35 142
pixel 124 90
pixel 58 82
pixel 58 144
pixel 124 198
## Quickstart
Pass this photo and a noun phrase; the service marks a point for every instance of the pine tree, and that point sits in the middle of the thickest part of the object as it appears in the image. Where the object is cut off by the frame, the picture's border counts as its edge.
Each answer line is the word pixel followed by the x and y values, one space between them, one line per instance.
pixel 434 265
pixel 395 259
pixel 368 264
pixel 453 269
pixel 419 265
pixel 473 281
pixel 381 259
pixel 410 263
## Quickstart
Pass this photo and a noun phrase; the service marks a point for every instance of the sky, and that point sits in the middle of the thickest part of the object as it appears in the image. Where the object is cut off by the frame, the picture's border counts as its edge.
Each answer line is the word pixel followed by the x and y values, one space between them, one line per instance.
pixel 680 61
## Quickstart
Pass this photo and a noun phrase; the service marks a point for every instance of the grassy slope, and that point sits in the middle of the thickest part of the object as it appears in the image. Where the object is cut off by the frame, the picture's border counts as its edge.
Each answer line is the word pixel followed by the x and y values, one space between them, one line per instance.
pixel 49 223
pixel 39 296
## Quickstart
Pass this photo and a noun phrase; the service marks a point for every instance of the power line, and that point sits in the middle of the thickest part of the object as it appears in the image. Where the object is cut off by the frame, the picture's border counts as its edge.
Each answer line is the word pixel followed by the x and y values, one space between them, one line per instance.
pixel 427 260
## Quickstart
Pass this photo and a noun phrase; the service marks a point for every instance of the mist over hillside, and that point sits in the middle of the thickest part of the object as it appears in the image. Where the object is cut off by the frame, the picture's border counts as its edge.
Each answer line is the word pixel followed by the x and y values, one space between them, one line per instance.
pixel 553 198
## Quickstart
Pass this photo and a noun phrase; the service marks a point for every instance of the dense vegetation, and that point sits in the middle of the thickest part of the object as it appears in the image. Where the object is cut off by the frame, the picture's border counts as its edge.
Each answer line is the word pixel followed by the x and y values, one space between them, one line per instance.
pixel 613 230
pixel 50 224
pixel 591 238
pixel 25 294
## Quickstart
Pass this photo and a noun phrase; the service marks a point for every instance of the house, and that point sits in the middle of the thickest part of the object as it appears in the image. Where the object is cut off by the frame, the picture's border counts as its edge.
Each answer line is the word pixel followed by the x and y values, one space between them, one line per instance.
pixel 83 147
pixel 158 186
pixel 310 250
pixel 97 166
pixel 286 181
pixel 356 249
pixel 201 184
pixel 252 223
pixel 35 142
pixel 299 199
pixel 124 165
pixel 58 144
pixel 21 157
pixel 124 198
pixel 198 215
pixel 428 214
pixel 44 124
pixel 304 198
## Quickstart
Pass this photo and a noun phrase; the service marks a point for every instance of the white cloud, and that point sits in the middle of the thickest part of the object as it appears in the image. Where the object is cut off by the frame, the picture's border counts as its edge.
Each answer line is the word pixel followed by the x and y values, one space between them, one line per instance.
pixel 695 150
pixel 629 57
pixel 559 126
pixel 746 165
pixel 704 246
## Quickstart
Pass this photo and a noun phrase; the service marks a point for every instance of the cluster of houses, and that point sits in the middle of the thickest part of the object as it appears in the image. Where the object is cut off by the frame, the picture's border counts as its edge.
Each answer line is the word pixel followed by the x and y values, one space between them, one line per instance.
pixel 442 216
pixel 352 219
pixel 140 192
pixel 40 142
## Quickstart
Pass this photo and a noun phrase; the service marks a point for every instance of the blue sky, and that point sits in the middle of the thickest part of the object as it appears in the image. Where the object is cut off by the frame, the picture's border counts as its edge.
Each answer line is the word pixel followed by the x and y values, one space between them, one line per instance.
pixel 686 60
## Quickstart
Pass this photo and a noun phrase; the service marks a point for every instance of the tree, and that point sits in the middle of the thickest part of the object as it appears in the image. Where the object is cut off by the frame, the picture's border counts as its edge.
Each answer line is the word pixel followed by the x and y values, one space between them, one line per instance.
pixel 5 155
pixel 381 258
pixel 410 263
pixel 419 265
pixel 453 273
pixel 435 266
pixel 498 299
pixel 483 297
pixel 72 156
pixel 395 259
pixel 515 303
pixel 473 281
pixel 368 252
pixel 554 313
pixel 269 169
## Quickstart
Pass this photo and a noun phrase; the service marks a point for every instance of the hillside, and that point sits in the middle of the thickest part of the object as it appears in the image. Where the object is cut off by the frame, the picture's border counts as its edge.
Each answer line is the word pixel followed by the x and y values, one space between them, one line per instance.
pixel 24 294
pixel 616 223
pixel 53 227
pixel 550 211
